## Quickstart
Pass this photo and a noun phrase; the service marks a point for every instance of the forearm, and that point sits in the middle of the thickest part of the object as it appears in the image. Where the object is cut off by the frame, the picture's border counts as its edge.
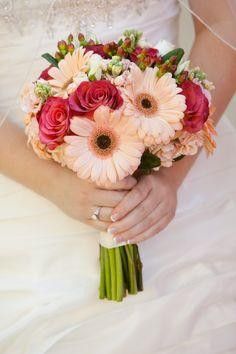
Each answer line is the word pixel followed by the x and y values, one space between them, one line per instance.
pixel 218 61
pixel 20 163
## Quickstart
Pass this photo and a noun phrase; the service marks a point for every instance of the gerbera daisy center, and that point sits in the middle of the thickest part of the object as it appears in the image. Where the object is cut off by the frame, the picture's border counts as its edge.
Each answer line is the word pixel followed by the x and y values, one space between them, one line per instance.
pixel 103 142
pixel 146 103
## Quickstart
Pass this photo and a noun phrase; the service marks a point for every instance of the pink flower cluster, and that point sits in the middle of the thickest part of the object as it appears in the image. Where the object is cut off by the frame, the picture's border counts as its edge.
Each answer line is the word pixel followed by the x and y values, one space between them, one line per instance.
pixel 103 105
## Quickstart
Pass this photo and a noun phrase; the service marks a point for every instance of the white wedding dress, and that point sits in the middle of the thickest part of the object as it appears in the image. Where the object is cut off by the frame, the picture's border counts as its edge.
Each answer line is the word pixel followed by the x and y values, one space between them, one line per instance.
pixel 49 271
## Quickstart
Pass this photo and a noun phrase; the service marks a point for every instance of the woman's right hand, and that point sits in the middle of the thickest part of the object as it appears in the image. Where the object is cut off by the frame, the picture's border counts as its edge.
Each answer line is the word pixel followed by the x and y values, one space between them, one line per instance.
pixel 80 198
pixel 77 198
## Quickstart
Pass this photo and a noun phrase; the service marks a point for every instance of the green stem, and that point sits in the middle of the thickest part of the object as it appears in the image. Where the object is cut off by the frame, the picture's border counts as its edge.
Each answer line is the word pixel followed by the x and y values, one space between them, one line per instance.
pixel 112 260
pixel 107 273
pixel 132 272
pixel 119 276
pixel 125 267
pixel 138 267
pixel 102 287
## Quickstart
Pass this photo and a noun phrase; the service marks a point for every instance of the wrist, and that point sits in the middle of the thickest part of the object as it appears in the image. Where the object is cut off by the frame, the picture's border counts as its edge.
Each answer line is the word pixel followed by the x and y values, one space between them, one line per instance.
pixel 178 171
pixel 53 179
pixel 172 177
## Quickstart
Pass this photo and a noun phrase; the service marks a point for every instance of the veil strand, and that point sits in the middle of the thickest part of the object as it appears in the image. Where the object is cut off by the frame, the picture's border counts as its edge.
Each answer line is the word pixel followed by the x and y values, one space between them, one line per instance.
pixel 231 7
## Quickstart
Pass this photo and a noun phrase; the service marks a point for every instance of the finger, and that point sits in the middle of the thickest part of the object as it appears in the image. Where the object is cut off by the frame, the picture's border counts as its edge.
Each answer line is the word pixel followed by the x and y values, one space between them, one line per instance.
pixel 140 227
pixel 130 201
pixel 153 231
pixel 99 225
pixel 136 217
pixel 126 184
pixel 107 198
pixel 105 214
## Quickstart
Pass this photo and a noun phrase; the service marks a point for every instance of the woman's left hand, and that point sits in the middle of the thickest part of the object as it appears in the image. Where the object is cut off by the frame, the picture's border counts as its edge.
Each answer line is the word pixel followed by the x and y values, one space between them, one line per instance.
pixel 146 210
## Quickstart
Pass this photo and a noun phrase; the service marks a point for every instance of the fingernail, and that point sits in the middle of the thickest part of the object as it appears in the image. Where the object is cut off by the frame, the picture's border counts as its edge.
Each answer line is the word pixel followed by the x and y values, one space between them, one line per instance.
pixel 114 217
pixel 111 230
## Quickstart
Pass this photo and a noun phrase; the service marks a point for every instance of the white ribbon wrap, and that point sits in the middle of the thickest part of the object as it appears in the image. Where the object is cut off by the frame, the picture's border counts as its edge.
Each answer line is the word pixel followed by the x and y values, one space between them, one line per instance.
pixel 107 240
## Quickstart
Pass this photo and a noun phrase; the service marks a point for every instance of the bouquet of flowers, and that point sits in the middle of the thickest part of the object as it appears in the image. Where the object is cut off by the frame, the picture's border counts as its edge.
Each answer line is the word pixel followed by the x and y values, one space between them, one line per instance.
pixel 107 111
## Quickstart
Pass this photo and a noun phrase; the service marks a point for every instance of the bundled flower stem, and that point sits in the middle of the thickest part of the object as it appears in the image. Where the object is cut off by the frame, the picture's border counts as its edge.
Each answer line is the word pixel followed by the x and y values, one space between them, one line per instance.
pixel 121 272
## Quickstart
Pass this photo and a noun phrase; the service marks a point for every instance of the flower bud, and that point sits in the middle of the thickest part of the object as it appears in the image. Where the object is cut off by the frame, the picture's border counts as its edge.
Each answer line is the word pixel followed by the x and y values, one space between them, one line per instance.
pixel 71 48
pixel 110 48
pixel 70 38
pixel 81 37
pixel 42 90
pixel 115 59
pixel 120 52
pixel 127 43
pixel 62 46
pixel 142 66
pixel 117 69
pixel 182 77
pixel 147 61
pixel 91 42
pixel 106 48
pixel 200 75
pixel 113 48
pixel 109 66
pixel 173 59
pixel 58 56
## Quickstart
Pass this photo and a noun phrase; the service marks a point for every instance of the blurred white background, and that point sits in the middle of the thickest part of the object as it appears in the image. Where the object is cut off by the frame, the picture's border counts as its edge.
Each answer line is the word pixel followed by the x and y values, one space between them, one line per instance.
pixel 186 38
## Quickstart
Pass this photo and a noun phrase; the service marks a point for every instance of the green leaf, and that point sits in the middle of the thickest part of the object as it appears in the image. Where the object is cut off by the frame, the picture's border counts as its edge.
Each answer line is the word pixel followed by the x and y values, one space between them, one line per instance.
pixel 179 158
pixel 178 52
pixel 50 59
pixel 149 161
pixel 120 42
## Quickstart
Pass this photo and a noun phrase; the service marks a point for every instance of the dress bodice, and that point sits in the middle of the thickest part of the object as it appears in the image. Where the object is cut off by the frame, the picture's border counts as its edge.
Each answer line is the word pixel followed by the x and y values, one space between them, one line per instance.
pixel 29 28
pixel 26 17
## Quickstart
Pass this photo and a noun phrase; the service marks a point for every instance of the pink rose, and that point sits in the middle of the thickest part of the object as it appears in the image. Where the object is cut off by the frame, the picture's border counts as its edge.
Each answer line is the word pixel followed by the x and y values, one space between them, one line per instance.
pixel 91 95
pixel 197 110
pixel 54 121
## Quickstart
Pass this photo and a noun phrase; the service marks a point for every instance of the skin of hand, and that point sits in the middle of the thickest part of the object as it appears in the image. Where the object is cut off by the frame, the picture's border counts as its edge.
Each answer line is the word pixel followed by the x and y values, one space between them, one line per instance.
pixel 145 210
pixel 77 198
pixel 130 223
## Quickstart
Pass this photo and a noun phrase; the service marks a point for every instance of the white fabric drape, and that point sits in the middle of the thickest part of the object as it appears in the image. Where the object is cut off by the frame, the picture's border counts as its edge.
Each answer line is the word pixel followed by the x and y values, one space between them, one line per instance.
pixel 49 269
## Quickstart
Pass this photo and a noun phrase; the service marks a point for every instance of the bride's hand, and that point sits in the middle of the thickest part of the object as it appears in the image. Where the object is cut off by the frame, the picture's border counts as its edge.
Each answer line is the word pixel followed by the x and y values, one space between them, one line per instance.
pixel 79 198
pixel 74 196
pixel 146 209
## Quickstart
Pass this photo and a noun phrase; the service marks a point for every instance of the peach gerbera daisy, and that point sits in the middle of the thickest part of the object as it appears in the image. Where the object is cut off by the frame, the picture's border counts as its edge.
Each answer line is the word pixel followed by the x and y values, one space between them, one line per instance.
pixel 70 72
pixel 156 103
pixel 105 150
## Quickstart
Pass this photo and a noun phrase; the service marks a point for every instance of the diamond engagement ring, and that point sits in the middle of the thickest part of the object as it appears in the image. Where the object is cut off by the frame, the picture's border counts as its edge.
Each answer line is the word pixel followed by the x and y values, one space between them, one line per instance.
pixel 95 215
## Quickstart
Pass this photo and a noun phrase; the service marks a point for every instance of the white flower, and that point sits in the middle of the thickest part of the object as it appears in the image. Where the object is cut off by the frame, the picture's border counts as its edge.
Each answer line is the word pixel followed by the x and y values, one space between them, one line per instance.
pixel 143 43
pixel 182 66
pixel 164 47
pixel 95 67
pixel 29 102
